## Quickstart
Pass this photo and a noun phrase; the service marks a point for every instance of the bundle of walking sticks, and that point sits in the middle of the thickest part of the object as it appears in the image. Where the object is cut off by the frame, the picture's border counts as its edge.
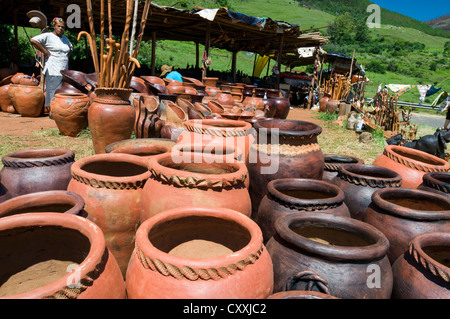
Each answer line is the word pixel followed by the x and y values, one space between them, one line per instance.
pixel 114 64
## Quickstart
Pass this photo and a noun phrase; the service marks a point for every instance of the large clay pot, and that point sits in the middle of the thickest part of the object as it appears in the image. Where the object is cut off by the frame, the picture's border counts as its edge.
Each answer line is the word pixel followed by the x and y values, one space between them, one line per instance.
pixel 410 163
pixel 199 253
pixel 49 201
pixel 28 100
pixel 294 195
pixel 148 123
pixel 323 102
pixel 404 213
pixel 6 104
pixel 340 256
pixel 56 256
pixel 70 112
pixel 143 150
pixel 111 117
pixel 423 271
pixel 332 106
pixel 360 181
pixel 227 132
pixel 224 98
pixel 137 142
pixel 111 186
pixel 174 183
pixel 191 152
pixel 173 118
pixel 437 182
pixel 334 161
pixel 30 171
pixel 282 107
pixel 283 149
pixel 256 103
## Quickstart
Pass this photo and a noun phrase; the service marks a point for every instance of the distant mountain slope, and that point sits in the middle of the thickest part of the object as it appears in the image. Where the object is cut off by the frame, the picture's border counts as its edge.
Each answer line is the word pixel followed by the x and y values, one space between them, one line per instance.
pixel 441 22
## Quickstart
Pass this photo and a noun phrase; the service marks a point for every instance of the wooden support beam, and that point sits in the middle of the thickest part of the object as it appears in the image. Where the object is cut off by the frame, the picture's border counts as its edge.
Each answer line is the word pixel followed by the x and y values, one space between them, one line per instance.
pixel 280 53
pixel 153 53
pixel 205 58
pixel 233 65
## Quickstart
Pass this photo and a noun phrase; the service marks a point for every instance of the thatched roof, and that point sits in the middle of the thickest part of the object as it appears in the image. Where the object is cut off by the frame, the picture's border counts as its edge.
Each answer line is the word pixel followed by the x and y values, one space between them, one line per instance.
pixel 230 30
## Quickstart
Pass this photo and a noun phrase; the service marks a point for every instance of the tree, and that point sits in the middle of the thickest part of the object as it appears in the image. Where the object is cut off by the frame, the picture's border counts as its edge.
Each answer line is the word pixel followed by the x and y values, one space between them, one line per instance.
pixel 362 33
pixel 447 47
pixel 342 28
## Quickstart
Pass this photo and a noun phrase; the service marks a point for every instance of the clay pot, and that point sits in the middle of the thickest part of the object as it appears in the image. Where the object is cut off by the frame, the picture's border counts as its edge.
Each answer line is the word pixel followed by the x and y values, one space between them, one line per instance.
pixel 175 87
pixel 271 93
pixel 436 182
pixel 148 123
pixel 6 104
pixel 255 103
pixel 138 142
pixel 332 106
pixel 330 254
pixel 111 186
pixel 111 117
pixel 189 153
pixel 294 195
pixel 210 81
pixel 56 256
pixel 30 171
pixel 410 163
pixel 17 77
pixel 70 112
pixel 173 117
pixel 282 107
pixel 283 149
pixel 248 90
pixel 143 150
pixel 404 213
pixel 174 183
pixel 334 161
pixel 423 271
pixel 49 201
pixel 224 98
pixel 201 253
pixel 28 100
pixel 67 88
pixel 259 92
pixel 223 131
pixel 269 107
pixel 323 102
pixel 29 80
pixel 216 107
pixel 153 79
pixel 360 181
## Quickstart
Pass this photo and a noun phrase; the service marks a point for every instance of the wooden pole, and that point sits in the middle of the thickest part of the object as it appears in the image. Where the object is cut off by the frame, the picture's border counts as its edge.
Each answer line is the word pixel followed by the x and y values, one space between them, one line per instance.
pixel 153 52
pixel 254 63
pixel 197 54
pixel 311 89
pixel 233 65
pixel 280 52
pixel 206 53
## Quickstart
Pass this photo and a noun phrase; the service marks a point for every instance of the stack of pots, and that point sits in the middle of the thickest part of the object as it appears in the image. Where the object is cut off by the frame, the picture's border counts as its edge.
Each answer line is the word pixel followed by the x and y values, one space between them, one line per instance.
pixel 26 95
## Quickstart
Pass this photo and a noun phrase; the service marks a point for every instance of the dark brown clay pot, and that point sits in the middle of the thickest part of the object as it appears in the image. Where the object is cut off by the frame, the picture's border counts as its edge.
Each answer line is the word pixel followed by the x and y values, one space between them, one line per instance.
pixel 30 171
pixel 410 163
pixel 175 183
pixel 70 112
pixel 65 255
pixel 436 182
pixel 423 271
pixel 111 117
pixel 294 195
pixel 137 142
pixel 111 186
pixel 283 149
pixel 360 181
pixel 403 213
pixel 199 253
pixel 334 161
pixel 269 107
pixel 336 255
pixel 49 201
pixel 282 107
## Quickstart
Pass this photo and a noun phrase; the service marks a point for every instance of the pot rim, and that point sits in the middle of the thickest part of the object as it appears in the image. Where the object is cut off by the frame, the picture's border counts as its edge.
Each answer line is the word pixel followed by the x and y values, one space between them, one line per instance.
pixel 409 213
pixel 96 255
pixel 333 166
pixel 422 258
pixel 132 141
pixel 356 174
pixel 57 156
pixel 433 180
pixel 373 251
pixel 206 126
pixel 247 255
pixel 74 94
pixel 315 131
pixel 48 197
pixel 106 181
pixel 276 186
pixel 391 151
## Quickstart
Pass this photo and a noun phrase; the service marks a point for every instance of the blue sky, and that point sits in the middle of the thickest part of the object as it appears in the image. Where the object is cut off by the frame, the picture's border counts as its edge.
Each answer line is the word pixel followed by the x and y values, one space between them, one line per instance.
pixel 417 9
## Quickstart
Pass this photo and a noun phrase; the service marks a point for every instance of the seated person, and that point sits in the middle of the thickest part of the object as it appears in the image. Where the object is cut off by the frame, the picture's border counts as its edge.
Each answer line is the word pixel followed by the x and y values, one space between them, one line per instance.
pixel 169 73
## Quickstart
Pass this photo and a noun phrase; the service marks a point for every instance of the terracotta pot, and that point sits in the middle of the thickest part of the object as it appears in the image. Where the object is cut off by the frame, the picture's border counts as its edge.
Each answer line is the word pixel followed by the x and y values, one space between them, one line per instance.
pixel 30 171
pixel 236 265
pixel 148 122
pixel 143 150
pixel 254 102
pixel 330 254
pixel 173 118
pixel 224 98
pixel 283 149
pixel 210 81
pixel 282 107
pixel 259 92
pixel 323 102
pixel 436 182
pixel 404 213
pixel 248 90
pixel 138 142
pixel 175 87
pixel 334 161
pixel 216 107
pixel 174 183
pixel 111 117
pixel 111 186
pixel 423 271
pixel 49 201
pixel 67 88
pixel 190 153
pixel 5 100
pixel 29 80
pixel 70 112
pixel 293 195
pixel 28 100
pixel 332 106
pixel 17 77
pixel 227 132
pixel 360 181
pixel 67 254
pixel 410 163
pixel 299 294
pixel 153 79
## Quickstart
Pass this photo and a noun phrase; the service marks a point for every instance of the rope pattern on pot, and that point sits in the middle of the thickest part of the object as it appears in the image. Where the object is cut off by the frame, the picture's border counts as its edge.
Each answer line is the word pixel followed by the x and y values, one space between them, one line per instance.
pixel 442 188
pixel 219 133
pixel 186 272
pixel 418 167
pixel 331 167
pixel 303 206
pixel 198 182
pixel 434 267
pixel 108 184
pixel 373 183
pixel 286 149
pixel 38 163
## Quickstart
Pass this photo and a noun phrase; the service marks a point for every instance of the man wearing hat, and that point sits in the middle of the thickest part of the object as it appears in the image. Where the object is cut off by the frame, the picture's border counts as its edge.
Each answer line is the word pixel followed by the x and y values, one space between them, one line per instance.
pixel 169 73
